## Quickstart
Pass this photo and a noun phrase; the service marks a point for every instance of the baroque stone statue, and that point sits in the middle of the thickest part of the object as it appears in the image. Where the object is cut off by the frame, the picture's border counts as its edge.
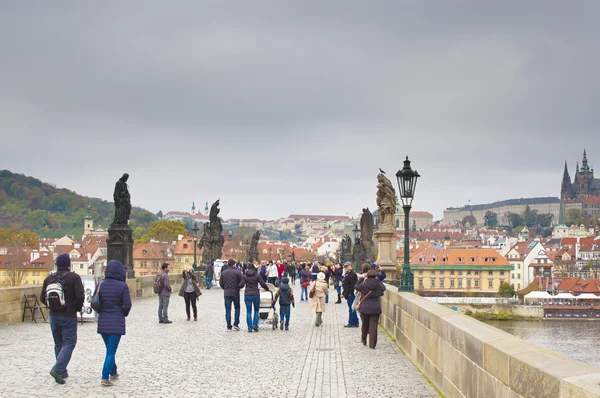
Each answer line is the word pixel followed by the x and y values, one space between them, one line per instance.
pixel 386 202
pixel 346 249
pixel 253 251
pixel 122 201
pixel 212 239
pixel 366 233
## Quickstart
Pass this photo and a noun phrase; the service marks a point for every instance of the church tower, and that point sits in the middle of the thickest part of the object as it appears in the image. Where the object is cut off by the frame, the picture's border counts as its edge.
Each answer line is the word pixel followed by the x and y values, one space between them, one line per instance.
pixel 193 208
pixel 206 209
pixel 584 178
pixel 88 223
pixel 566 190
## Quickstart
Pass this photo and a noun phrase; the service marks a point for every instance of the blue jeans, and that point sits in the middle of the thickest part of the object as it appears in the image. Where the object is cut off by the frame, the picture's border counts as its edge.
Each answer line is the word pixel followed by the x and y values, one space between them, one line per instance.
pixel 251 301
pixel 304 293
pixel 110 365
pixel 353 319
pixel 236 305
pixel 284 313
pixel 338 289
pixel 64 332
pixel 208 280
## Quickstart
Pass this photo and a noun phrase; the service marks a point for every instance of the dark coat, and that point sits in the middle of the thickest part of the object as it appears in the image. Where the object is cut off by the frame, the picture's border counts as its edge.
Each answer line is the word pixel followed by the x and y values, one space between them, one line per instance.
pixel 210 270
pixel 304 276
pixel 370 304
pixel 167 289
pixel 348 284
pixel 185 275
pixel 115 300
pixel 229 281
pixel 339 274
pixel 72 289
pixel 251 280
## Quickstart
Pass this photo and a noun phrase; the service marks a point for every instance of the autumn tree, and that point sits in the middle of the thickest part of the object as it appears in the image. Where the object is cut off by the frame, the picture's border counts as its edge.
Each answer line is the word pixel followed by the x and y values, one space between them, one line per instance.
pixel 164 231
pixel 506 290
pixel 490 219
pixel 469 219
pixel 574 217
pixel 16 244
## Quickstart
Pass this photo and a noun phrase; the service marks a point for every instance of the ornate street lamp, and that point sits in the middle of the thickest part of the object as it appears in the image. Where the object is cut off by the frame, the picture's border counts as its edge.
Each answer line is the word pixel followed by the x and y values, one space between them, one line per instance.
pixel 270 254
pixel 407 182
pixel 356 232
pixel 195 230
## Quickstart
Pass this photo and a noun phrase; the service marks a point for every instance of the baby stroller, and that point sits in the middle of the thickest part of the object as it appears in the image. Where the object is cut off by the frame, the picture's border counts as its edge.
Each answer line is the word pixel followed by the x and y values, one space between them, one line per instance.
pixel 266 310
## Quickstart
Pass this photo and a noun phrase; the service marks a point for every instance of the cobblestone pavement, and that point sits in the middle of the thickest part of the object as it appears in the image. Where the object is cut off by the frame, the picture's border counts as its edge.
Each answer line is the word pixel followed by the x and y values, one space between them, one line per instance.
pixel 203 359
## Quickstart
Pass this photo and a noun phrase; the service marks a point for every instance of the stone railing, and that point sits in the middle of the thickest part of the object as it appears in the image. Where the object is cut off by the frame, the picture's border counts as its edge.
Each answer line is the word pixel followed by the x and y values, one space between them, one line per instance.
pixel 467 358
pixel 12 301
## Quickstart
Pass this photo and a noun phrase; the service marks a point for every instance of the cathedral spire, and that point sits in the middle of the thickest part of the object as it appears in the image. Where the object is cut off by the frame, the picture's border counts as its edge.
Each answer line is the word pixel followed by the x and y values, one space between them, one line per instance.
pixel 565 187
pixel 584 164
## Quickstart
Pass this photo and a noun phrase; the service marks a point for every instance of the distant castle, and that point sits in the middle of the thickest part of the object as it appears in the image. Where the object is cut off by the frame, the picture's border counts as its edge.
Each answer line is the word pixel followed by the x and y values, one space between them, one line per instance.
pixel 585 185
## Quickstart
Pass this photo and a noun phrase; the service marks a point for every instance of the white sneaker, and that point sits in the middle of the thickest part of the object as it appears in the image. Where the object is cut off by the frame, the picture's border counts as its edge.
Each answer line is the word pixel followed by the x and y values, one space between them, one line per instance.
pixel 236 328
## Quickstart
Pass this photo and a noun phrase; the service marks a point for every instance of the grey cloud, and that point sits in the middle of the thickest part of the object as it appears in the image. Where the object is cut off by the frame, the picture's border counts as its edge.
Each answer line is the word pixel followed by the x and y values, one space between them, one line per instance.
pixel 302 100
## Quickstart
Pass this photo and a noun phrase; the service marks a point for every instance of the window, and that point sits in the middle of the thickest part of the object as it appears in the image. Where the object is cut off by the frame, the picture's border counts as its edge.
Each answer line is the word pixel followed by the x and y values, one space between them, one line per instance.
pixel 486 259
pixel 144 251
pixel 460 282
pixel 451 272
pixel 468 283
pixel 81 266
pixel 421 283
pixel 36 273
pixel 451 282
pixel 476 282
pixel 185 246
pixel 493 259
pixel 420 272
pixel 459 272
pixel 460 259
pixel 512 276
pixel 519 266
pixel 442 272
pixel 518 276
pixel 490 273
pixel 432 282
pixel 490 283
pixel 441 282
pixel 432 272
pixel 472 259
pixel 186 260
pixel 476 272
pixel 178 259
pixel 468 272
pixel 501 273
pixel 444 259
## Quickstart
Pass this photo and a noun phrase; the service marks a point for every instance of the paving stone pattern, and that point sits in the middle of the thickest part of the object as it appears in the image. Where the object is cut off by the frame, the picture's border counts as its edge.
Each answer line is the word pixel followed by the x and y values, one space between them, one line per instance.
pixel 203 359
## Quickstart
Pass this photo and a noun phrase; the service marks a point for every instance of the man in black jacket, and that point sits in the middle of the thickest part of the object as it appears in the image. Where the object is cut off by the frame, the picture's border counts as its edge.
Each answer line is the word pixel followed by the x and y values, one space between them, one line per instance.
pixel 350 279
pixel 230 281
pixel 65 300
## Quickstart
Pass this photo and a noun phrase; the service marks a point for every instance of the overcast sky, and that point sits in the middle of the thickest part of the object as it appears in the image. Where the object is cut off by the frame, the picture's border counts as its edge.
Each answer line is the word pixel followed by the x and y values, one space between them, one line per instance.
pixel 291 108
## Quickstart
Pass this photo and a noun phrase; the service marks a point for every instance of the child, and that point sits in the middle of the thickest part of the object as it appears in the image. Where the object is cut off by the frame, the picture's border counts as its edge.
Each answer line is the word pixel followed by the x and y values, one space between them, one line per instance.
pixel 286 297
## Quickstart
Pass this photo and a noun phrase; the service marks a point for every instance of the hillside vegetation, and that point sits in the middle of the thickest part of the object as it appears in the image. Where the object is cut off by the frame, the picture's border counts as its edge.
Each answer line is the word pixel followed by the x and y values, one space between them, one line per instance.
pixel 28 203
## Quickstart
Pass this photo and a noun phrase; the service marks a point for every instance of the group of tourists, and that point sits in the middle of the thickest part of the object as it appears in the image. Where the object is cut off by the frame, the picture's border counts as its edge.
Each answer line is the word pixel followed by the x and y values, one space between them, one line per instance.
pixel 62 292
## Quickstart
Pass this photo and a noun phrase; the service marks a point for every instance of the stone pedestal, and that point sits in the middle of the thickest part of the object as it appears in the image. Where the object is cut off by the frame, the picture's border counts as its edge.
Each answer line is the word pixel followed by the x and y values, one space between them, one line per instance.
pixel 386 252
pixel 120 246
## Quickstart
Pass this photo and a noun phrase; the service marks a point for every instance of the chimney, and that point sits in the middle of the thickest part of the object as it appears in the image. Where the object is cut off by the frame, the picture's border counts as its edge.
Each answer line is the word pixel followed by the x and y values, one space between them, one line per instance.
pixel 179 237
pixel 577 246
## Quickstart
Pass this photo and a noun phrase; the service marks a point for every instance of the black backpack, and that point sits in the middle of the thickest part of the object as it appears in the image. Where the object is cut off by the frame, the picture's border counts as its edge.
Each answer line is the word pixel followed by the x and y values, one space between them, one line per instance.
pixel 158 284
pixel 55 293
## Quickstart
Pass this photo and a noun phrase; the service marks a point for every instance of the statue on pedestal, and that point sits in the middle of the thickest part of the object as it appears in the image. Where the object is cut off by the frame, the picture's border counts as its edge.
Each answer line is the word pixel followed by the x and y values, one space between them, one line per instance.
pixel 122 201
pixel 386 202
pixel 212 239
pixel 366 234
pixel 253 251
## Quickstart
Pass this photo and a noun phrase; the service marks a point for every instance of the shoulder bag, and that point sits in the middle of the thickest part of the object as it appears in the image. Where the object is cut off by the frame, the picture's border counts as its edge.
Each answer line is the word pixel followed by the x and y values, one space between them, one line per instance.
pixel 311 293
pixel 95 304
pixel 361 301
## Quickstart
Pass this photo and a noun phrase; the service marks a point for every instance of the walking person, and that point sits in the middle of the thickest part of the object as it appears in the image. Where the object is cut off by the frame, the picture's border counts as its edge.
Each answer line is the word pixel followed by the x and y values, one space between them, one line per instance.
pixel 263 272
pixel 304 282
pixel 252 296
pixel 350 279
pixel 319 289
pixel 371 289
pixel 281 269
pixel 230 281
pixel 62 292
pixel 190 291
pixel 165 295
pixel 209 274
pixel 328 272
pixel 291 270
pixel 116 304
pixel 286 297
pixel 314 271
pixel 338 275
pixel 272 273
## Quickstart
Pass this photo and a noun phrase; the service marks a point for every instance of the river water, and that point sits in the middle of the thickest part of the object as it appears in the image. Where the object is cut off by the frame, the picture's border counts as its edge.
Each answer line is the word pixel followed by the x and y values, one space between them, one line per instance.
pixel 579 340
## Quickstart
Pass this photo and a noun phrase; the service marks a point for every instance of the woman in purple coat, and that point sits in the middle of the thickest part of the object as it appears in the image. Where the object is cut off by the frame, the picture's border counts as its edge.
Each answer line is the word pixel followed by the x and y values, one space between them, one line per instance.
pixel 370 307
pixel 116 303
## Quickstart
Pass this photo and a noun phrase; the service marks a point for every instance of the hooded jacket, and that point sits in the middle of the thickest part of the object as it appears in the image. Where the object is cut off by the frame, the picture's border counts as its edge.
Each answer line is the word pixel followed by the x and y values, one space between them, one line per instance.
pixel 285 295
pixel 115 300
pixel 370 305
pixel 251 280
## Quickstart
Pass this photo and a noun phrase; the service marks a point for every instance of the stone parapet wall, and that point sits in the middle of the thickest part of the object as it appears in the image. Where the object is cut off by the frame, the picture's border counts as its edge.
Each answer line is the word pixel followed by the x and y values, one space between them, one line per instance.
pixel 467 358
pixel 12 301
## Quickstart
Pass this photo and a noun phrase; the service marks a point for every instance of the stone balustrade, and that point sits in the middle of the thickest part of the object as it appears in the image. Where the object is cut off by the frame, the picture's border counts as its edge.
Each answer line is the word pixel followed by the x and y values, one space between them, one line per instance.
pixel 466 358
pixel 12 301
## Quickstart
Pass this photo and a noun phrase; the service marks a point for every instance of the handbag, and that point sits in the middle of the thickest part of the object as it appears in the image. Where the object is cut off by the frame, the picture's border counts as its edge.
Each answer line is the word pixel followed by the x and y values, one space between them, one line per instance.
pixel 305 284
pixel 197 289
pixel 311 294
pixel 95 304
pixel 361 301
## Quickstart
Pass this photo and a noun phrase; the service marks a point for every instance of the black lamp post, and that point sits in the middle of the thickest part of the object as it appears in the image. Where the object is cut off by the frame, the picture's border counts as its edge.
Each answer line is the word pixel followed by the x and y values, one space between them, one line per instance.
pixel 246 246
pixel 195 230
pixel 270 254
pixel 356 232
pixel 407 182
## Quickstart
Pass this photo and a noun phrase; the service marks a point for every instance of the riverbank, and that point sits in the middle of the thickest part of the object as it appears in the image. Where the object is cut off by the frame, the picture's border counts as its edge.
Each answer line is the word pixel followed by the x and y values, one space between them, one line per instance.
pixel 501 316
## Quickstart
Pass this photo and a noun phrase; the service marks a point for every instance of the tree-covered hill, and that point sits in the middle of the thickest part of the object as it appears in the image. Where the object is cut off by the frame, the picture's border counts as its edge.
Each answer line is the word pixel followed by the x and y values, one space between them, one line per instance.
pixel 26 202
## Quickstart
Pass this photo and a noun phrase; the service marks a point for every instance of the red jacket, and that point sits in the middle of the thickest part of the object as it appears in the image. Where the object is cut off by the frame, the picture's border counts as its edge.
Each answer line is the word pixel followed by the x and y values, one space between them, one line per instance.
pixel 280 270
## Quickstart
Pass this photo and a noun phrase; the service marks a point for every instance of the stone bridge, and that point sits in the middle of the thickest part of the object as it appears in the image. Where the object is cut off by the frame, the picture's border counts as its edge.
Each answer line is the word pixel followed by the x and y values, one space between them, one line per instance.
pixel 418 339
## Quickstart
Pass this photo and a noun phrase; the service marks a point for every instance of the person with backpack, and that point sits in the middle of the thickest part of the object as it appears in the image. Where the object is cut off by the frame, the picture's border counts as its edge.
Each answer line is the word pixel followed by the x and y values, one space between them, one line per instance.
pixel 230 282
pixel 162 287
pixel 115 301
pixel 285 295
pixel 62 292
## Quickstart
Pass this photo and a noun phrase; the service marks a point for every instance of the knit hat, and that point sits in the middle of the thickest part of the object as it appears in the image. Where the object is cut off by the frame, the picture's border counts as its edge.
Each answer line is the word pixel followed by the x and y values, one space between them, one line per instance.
pixel 373 265
pixel 63 262
pixel 321 276
pixel 285 280
pixel 347 263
